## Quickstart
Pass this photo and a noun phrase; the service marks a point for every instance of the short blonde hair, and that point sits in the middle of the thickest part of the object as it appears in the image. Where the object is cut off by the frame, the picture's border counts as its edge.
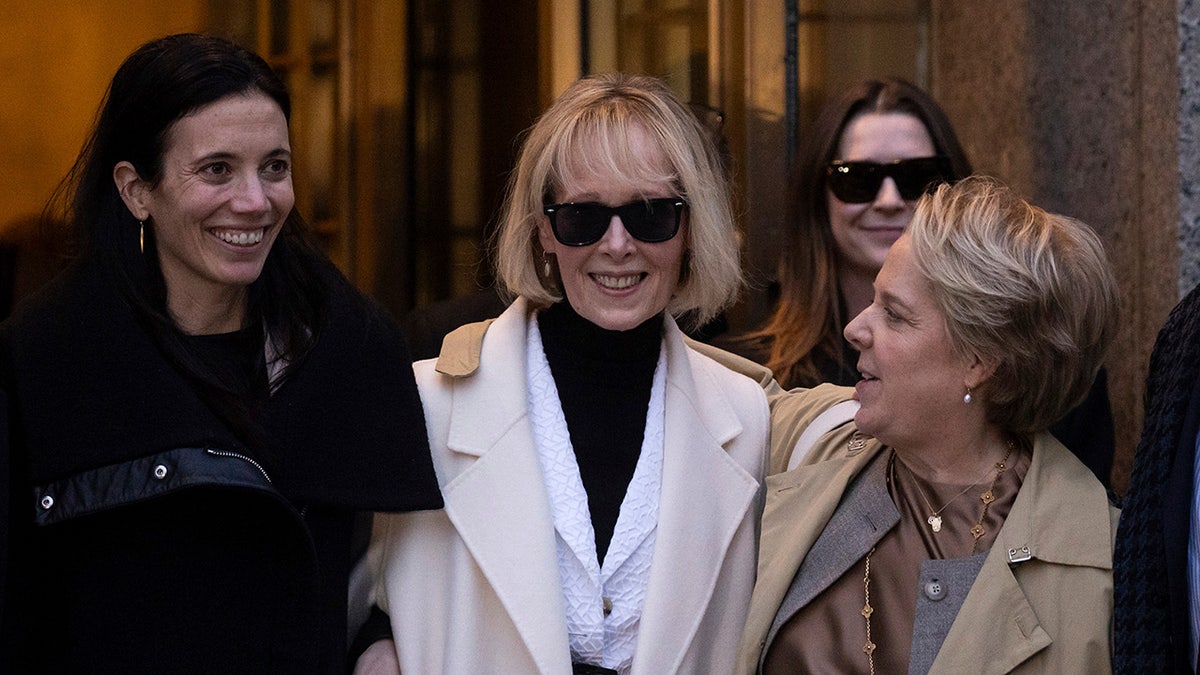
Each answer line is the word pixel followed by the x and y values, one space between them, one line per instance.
pixel 1031 289
pixel 589 128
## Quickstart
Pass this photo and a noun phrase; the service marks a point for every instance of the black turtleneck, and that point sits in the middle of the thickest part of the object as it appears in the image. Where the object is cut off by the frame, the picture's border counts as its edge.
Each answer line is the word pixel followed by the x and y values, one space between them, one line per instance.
pixel 237 359
pixel 603 379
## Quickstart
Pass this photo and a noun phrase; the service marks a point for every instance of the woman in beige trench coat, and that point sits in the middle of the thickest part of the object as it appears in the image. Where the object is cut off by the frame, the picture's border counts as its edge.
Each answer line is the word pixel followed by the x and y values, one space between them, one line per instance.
pixel 925 521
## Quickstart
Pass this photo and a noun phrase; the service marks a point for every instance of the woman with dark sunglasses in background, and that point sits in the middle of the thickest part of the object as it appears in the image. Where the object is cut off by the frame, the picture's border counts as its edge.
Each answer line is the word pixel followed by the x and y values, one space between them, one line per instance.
pixel 870 155
pixel 601 478
pixel 858 173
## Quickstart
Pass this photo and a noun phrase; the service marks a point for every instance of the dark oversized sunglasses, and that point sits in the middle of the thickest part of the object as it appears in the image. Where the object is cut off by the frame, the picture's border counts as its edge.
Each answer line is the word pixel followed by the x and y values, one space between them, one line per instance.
pixel 858 182
pixel 584 223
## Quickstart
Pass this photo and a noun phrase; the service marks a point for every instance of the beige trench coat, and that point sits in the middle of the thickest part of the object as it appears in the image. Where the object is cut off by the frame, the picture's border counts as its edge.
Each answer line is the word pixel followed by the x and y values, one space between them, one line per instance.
pixel 1049 610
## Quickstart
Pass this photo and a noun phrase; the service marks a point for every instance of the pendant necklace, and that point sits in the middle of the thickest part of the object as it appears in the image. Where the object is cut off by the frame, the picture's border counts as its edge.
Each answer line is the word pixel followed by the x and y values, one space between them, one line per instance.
pixel 935 522
pixel 935 515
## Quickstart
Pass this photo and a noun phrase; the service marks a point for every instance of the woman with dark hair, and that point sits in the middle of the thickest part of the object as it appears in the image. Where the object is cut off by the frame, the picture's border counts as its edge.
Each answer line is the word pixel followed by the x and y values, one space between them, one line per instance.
pixel 858 173
pixel 201 405
pixel 871 154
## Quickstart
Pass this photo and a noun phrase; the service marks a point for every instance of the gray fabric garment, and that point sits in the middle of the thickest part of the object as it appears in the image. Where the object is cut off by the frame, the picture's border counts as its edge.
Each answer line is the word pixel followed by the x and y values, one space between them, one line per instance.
pixel 953 579
pixel 864 516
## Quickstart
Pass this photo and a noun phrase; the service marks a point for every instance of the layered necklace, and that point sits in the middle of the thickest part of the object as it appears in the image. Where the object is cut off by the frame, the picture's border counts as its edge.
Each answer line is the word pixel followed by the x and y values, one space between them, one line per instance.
pixel 935 524
pixel 987 497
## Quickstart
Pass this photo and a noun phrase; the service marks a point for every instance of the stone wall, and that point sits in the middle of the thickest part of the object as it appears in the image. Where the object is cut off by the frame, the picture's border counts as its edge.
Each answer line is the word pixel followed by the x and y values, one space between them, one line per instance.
pixel 1077 106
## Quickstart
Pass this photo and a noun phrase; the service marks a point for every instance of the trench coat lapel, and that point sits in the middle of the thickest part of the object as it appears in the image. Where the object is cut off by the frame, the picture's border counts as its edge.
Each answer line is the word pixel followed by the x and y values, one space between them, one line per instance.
pixel 499 504
pixel 798 505
pixel 996 606
pixel 705 498
pixel 1008 629
pixel 866 514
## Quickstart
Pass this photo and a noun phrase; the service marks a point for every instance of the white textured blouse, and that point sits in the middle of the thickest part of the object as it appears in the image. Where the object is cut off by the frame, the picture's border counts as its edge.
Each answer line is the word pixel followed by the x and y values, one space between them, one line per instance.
pixel 603 602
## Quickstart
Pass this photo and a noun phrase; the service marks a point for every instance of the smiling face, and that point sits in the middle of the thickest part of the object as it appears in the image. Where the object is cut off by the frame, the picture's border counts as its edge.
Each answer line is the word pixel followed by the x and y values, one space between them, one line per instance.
pixel 618 282
pixel 864 232
pixel 913 379
pixel 225 191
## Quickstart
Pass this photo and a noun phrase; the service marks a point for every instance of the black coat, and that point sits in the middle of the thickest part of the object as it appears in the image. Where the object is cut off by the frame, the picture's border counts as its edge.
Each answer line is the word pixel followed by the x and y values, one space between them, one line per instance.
pixel 1151 622
pixel 143 536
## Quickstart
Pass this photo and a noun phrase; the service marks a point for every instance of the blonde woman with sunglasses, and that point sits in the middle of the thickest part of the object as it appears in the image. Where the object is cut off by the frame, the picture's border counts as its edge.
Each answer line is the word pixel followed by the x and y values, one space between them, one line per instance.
pixel 601 477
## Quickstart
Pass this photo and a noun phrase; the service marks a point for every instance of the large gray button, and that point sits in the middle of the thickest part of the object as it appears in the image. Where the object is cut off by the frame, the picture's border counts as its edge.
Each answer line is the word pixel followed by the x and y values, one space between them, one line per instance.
pixel 935 590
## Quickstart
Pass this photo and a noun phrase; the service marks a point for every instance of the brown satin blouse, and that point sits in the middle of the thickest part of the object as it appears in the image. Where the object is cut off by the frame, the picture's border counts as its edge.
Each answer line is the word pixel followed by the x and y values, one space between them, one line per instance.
pixel 828 634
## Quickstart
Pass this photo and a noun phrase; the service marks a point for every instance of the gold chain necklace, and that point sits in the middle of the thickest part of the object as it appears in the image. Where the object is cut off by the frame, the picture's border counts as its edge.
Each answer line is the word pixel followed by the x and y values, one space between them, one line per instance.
pixel 935 515
pixel 867 611
pixel 988 497
pixel 978 531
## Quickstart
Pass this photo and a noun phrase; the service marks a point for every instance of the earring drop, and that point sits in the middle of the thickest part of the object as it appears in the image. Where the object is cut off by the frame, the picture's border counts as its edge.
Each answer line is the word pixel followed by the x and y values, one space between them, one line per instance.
pixel 546 265
pixel 142 236
pixel 967 399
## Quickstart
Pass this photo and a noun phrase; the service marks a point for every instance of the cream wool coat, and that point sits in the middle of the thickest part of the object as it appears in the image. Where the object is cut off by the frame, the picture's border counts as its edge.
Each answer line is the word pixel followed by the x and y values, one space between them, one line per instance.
pixel 475 588
pixel 1048 613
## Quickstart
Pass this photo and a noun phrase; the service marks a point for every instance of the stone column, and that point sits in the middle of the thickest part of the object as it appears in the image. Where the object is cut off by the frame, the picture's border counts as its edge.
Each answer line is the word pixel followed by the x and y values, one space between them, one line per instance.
pixel 1077 106
pixel 1189 145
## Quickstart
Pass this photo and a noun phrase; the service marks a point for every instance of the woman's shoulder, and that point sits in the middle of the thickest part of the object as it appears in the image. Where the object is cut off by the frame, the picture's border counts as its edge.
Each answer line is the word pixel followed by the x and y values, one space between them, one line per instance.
pixel 74 287
pixel 1074 513
pixel 816 422
pixel 462 351
pixel 729 364
pixel 75 312
pixel 736 389
pixel 1055 462
pixel 725 365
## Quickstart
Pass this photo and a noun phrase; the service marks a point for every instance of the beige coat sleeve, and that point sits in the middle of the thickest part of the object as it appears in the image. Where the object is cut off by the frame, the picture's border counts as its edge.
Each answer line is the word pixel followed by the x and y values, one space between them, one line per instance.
pixel 792 411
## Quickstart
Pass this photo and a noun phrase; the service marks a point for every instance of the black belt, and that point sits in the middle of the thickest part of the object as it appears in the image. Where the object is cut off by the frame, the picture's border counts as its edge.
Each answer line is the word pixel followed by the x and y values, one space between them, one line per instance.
pixel 589 669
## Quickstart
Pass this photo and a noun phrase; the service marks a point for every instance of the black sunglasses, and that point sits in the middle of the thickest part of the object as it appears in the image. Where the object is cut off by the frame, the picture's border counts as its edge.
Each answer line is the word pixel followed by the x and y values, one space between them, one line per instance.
pixel 584 223
pixel 858 182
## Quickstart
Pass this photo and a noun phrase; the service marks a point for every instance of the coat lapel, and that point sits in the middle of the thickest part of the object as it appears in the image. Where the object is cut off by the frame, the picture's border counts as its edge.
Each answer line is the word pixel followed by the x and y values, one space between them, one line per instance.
pixel 866 514
pixel 499 504
pixel 996 605
pixel 705 498
pixel 799 504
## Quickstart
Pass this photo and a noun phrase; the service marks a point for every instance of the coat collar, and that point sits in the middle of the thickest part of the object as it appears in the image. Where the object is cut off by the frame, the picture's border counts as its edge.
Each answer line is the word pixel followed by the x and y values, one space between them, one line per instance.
pixel 1065 527
pixel 866 515
pixel 500 508
pixel 1046 522
pixel 92 389
pixel 799 503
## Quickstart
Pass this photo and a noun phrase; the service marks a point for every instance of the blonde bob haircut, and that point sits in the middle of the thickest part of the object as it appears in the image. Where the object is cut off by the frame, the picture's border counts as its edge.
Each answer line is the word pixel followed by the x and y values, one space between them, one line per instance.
pixel 1026 291
pixel 590 130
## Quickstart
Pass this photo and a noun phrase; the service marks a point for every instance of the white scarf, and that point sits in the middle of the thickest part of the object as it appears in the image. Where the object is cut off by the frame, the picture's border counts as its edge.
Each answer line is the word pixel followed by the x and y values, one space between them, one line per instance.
pixel 586 585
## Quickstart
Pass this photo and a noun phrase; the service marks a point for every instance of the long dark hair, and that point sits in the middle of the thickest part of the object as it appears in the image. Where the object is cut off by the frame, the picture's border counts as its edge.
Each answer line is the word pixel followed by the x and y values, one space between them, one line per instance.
pixel 159 83
pixel 808 320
